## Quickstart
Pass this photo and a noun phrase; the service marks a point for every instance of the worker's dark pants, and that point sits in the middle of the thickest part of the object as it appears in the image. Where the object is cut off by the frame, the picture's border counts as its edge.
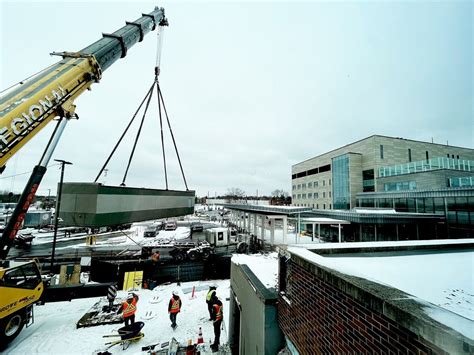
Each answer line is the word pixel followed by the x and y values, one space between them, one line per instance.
pixel 173 319
pixel 217 331
pixel 209 308
pixel 129 320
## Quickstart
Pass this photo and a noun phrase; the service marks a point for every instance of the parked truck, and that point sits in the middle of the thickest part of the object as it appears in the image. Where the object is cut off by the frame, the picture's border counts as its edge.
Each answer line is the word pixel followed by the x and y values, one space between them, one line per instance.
pixel 218 241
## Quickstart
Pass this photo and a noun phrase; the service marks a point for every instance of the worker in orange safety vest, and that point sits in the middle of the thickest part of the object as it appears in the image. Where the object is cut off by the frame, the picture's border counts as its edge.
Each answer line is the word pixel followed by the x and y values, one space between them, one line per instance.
pixel 217 316
pixel 174 307
pixel 129 308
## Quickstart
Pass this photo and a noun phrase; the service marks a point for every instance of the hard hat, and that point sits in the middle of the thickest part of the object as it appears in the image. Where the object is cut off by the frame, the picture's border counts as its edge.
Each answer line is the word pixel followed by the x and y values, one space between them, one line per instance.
pixel 129 296
pixel 212 286
pixel 175 293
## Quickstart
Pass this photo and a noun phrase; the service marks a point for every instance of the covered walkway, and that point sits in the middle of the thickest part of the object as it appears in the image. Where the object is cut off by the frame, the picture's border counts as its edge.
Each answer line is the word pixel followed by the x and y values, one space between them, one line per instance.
pixel 255 220
pixel 323 221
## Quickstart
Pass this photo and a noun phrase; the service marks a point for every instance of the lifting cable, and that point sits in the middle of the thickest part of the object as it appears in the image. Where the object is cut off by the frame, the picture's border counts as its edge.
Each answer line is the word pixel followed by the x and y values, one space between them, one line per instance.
pixel 161 103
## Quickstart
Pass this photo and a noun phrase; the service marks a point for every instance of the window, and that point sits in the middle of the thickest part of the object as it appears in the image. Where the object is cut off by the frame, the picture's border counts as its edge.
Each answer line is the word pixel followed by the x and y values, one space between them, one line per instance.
pixel 329 193
pixel 310 185
pixel 316 184
pixel 220 235
pixel 457 157
pixel 329 182
pixel 317 206
pixel 428 156
pixel 329 206
pixel 294 187
pixel 316 195
pixel 409 154
pixel 447 155
pixel 324 194
pixel 324 182
pixel 310 195
pixel 324 206
pixel 25 276
pixel 368 181
pixel 299 195
pixel 381 151
pixel 299 186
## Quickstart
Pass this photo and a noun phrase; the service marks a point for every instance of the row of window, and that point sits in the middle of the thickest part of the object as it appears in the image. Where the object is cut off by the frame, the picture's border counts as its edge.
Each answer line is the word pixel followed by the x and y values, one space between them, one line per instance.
pixel 400 186
pixel 314 171
pixel 310 185
pixel 311 195
pixel 323 206
pixel 428 165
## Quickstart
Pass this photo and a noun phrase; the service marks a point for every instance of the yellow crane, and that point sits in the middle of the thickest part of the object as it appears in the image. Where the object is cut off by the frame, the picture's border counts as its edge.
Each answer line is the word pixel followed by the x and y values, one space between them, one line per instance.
pixel 24 110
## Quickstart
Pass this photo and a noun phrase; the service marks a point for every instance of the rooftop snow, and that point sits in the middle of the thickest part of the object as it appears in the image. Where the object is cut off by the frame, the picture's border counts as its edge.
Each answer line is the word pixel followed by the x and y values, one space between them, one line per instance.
pixel 264 266
pixel 441 277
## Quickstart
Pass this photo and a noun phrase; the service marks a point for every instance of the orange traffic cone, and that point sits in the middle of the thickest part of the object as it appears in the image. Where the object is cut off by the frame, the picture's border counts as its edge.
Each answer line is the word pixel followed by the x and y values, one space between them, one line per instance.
pixel 200 338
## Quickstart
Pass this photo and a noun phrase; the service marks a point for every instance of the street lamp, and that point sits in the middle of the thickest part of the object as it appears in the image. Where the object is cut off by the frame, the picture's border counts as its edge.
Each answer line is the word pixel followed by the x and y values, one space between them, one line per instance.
pixel 58 206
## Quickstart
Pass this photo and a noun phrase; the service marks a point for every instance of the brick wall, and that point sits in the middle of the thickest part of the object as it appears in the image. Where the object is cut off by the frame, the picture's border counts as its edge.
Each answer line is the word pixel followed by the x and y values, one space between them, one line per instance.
pixel 319 318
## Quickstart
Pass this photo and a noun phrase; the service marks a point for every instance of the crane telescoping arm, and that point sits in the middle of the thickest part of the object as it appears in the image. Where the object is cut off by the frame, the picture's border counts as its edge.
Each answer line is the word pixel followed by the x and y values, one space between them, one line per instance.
pixel 30 106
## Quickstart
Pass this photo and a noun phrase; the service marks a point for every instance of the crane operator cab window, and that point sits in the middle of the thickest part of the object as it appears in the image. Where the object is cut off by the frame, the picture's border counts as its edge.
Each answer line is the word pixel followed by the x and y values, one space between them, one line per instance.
pixel 24 276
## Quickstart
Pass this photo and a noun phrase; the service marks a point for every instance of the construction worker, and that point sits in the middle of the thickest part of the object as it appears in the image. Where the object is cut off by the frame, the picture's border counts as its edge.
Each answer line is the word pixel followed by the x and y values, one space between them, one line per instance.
pixel 129 307
pixel 174 307
pixel 218 316
pixel 111 294
pixel 211 298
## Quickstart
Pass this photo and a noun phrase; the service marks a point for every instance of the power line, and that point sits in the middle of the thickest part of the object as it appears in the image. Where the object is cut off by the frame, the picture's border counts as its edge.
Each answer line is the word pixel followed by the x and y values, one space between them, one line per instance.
pixel 27 172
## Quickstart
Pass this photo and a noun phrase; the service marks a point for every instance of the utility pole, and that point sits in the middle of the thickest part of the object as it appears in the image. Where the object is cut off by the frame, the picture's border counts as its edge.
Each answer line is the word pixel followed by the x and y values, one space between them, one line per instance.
pixel 58 206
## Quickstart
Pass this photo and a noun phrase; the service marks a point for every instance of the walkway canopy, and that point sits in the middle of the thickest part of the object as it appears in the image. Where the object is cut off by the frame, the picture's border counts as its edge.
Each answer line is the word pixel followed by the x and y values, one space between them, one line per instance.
pixel 323 220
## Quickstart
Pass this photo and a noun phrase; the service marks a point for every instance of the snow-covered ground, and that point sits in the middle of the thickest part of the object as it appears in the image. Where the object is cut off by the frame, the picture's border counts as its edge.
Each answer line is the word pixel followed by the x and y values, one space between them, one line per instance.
pixel 443 278
pixel 54 330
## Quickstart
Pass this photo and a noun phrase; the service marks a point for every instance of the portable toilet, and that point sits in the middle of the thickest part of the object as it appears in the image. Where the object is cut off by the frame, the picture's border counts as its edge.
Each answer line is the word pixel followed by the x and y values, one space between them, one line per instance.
pixel 217 236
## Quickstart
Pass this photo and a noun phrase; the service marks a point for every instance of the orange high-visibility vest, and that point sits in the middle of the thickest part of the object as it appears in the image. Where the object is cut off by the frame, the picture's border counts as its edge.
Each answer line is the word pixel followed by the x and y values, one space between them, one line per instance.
pixel 129 309
pixel 218 310
pixel 174 306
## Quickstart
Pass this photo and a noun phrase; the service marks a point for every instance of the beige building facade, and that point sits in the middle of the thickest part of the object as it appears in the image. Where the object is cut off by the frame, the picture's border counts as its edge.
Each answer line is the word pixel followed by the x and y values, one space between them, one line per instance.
pixel 376 163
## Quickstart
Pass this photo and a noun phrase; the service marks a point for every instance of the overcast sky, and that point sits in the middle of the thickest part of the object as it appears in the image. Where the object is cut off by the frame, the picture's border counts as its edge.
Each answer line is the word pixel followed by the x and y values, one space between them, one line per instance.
pixel 250 88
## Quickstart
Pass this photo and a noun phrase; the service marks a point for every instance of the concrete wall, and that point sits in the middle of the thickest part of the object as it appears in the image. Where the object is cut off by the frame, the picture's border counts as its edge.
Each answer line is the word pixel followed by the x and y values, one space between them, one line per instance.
pixel 259 331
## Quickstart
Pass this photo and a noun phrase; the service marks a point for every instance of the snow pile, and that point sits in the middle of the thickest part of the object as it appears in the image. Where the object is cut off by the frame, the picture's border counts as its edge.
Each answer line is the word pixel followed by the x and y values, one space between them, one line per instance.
pixel 54 330
pixel 264 266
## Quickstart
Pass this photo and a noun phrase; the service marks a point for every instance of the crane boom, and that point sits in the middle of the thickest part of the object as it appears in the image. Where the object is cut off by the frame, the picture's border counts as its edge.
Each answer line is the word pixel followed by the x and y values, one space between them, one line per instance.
pixel 28 107
pixel 24 111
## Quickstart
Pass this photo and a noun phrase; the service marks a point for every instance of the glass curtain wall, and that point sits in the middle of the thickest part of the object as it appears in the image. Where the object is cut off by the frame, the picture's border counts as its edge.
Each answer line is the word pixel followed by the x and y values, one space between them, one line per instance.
pixel 340 186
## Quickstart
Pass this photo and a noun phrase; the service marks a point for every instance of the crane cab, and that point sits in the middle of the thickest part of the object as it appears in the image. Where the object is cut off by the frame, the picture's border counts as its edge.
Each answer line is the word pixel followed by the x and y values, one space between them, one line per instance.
pixel 20 287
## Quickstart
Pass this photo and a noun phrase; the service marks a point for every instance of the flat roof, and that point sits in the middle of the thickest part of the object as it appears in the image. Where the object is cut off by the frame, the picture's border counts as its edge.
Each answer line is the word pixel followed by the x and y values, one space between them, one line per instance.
pixel 367 215
pixel 441 280
pixel 282 210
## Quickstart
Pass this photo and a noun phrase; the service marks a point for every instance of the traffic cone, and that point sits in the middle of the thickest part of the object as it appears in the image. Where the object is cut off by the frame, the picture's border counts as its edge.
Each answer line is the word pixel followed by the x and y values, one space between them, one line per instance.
pixel 200 338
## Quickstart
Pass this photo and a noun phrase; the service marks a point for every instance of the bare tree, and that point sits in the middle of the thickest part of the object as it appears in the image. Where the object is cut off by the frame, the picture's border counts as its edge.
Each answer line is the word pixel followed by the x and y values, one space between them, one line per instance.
pixel 235 193
pixel 279 193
